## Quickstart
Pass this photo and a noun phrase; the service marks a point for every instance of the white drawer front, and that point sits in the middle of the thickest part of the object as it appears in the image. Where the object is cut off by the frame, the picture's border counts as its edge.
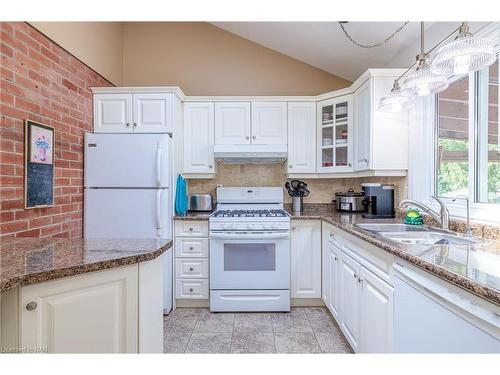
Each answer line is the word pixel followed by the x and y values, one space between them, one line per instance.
pixel 191 268
pixel 195 228
pixel 191 247
pixel 191 288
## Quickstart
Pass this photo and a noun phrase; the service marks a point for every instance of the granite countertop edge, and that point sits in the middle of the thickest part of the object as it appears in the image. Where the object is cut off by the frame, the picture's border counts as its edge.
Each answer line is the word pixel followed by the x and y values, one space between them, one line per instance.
pixel 44 276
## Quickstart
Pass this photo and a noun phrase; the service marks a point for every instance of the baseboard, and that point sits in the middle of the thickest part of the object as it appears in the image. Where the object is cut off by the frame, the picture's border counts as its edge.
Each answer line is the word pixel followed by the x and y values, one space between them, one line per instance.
pixel 306 302
pixel 192 303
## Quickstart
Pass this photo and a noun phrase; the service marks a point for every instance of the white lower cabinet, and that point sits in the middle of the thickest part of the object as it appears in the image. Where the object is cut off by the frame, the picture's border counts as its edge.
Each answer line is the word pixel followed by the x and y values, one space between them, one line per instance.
pixel 305 259
pixel 350 299
pixel 360 301
pixel 90 313
pixel 376 313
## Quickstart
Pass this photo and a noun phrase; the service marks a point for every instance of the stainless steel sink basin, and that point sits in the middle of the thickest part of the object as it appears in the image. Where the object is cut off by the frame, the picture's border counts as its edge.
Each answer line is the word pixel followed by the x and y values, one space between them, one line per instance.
pixel 381 227
pixel 426 238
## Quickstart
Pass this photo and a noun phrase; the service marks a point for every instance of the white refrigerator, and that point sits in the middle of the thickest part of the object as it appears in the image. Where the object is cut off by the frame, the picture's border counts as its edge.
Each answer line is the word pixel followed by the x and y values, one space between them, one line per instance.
pixel 128 190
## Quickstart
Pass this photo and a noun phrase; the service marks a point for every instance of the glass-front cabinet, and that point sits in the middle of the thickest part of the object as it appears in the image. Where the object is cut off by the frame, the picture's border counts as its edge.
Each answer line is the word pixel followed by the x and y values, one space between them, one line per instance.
pixel 335 135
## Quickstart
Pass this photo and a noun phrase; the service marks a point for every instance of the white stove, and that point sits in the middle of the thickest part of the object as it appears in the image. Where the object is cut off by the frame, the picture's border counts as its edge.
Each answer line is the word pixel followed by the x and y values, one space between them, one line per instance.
pixel 249 250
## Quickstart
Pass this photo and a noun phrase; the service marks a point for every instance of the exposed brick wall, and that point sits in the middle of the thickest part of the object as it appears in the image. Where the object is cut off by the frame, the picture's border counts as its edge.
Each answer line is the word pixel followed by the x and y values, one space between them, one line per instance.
pixel 41 81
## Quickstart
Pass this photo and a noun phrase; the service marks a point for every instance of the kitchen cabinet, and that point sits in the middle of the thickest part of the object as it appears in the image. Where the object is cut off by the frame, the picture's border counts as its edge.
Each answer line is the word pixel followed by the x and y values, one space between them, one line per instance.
pixel 350 299
pixel 376 313
pixel 334 134
pixel 301 137
pixel 305 241
pixel 269 123
pixel 199 137
pixel 380 139
pixel 191 247
pixel 128 112
pixel 232 123
pixel 330 275
pixel 90 313
pixel 113 113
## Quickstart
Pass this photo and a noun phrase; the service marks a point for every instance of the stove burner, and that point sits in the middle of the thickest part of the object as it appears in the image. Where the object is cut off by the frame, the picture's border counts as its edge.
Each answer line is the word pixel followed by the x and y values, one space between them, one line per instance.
pixel 250 213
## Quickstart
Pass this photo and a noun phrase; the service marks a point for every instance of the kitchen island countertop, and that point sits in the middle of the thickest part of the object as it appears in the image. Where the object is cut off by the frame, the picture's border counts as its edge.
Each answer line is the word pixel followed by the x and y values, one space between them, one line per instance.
pixel 26 261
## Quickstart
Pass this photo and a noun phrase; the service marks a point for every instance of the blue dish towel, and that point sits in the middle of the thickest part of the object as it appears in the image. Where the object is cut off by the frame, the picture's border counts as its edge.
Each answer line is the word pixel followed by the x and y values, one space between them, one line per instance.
pixel 181 201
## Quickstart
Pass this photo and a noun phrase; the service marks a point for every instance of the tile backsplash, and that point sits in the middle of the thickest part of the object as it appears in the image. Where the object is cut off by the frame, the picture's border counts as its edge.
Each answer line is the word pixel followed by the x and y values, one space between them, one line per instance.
pixel 322 190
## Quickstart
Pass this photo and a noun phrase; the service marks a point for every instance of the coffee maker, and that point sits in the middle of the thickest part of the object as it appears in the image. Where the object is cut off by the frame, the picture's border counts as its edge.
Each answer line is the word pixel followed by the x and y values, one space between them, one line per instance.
pixel 379 200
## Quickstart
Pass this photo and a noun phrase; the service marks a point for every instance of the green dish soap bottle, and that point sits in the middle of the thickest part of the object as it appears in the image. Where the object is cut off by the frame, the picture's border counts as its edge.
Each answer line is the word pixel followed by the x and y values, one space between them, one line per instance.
pixel 413 217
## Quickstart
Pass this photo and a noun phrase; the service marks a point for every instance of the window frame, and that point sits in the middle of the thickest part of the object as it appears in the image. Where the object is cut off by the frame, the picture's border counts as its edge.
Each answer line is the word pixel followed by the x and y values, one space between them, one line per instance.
pixel 421 186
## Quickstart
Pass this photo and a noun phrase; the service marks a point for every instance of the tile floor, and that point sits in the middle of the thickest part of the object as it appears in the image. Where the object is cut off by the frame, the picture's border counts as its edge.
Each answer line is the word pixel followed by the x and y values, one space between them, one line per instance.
pixel 303 330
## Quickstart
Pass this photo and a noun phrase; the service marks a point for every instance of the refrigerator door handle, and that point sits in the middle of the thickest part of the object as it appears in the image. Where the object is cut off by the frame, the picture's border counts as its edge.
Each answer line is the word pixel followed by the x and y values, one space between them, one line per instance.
pixel 158 164
pixel 158 209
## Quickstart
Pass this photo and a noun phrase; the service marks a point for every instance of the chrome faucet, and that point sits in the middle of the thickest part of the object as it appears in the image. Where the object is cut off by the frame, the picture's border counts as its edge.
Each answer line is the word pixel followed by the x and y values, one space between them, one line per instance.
pixel 443 217
pixel 468 228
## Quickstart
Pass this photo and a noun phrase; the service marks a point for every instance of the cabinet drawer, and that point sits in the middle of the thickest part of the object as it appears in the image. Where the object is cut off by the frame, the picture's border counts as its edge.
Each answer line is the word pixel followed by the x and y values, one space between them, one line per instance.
pixel 191 288
pixel 187 228
pixel 191 268
pixel 191 247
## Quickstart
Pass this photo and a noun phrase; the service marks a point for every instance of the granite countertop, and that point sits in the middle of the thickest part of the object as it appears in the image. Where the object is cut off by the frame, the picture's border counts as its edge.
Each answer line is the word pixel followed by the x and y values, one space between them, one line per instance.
pixel 475 267
pixel 25 261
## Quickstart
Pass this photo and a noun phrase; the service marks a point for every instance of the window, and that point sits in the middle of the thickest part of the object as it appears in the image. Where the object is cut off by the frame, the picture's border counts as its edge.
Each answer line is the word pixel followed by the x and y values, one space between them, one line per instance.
pixel 452 148
pixel 467 148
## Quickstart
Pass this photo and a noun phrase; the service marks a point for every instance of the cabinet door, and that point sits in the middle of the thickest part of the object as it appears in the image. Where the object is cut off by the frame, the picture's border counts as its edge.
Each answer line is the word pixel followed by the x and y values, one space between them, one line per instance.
pixel 153 113
pixel 362 126
pixel 232 123
pixel 376 314
pixel 334 143
pixel 269 123
pixel 301 137
pixel 333 264
pixel 306 259
pixel 199 137
pixel 90 313
pixel 349 299
pixel 113 113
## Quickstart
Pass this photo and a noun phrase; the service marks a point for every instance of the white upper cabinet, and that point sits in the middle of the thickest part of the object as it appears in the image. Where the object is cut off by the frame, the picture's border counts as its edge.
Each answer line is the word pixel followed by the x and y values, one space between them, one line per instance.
pixel 334 117
pixel 232 123
pixel 301 137
pixel 269 124
pixel 305 240
pixel 362 127
pixel 113 113
pixel 199 137
pixel 153 113
pixel 380 139
pixel 133 112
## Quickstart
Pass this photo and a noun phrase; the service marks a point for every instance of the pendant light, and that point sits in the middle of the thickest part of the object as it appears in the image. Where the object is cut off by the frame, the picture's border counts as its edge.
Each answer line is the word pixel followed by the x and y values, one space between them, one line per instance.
pixel 422 81
pixel 465 54
pixel 395 101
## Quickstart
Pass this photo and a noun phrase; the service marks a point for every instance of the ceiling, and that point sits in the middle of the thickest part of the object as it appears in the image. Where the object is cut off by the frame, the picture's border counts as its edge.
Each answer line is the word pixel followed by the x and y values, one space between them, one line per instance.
pixel 324 45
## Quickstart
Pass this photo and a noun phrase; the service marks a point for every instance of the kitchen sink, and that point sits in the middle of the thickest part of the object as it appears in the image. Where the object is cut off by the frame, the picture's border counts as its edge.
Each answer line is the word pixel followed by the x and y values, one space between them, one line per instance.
pixel 426 238
pixel 381 227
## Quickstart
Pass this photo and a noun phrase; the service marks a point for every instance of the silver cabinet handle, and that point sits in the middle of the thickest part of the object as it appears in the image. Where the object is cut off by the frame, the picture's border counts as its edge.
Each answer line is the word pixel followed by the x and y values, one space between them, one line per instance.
pixel 335 257
pixel 290 166
pixel 254 137
pixel 191 248
pixel 190 229
pixel 128 124
pixel 210 166
pixel 355 276
pixel 349 164
pixel 191 289
pixel 293 228
pixel 135 123
pixel 247 137
pixel 191 268
pixel 31 306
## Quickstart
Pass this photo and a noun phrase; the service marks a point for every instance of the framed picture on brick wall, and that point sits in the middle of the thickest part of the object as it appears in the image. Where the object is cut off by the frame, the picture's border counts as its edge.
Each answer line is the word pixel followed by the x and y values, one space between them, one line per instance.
pixel 38 165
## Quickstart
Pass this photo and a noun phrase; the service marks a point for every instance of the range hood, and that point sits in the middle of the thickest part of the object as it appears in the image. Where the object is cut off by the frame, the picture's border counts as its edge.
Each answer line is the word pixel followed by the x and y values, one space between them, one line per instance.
pixel 250 154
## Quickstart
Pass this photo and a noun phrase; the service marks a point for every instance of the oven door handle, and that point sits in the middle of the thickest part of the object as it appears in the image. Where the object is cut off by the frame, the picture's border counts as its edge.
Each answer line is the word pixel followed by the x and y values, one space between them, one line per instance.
pixel 248 236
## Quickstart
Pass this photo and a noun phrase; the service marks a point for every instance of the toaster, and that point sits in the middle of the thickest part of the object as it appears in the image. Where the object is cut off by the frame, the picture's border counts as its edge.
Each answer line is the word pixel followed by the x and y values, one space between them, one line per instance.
pixel 200 202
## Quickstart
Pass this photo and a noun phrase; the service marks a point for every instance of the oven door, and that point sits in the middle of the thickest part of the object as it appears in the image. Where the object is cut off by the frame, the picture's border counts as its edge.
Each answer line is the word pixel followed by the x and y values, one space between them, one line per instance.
pixel 249 260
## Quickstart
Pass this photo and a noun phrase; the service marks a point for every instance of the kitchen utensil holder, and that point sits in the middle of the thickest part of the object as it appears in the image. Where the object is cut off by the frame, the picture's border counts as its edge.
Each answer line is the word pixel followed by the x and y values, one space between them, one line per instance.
pixel 297 204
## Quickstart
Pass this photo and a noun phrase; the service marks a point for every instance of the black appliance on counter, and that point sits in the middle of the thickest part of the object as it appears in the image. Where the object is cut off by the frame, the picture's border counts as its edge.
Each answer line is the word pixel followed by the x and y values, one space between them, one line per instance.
pixel 379 200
